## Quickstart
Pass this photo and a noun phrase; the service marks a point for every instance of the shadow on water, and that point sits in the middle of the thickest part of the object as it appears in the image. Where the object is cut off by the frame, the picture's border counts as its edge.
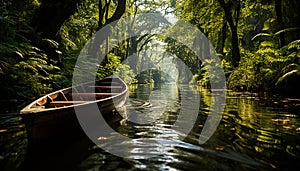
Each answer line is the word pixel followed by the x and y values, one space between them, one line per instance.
pixel 255 133
pixel 13 142
pixel 64 153
pixel 19 152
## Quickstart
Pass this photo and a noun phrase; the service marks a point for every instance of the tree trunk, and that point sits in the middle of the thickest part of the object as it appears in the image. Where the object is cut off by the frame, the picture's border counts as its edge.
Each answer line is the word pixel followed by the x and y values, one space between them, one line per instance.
pixel 280 23
pixel 235 48
pixel 222 38
pixel 227 7
pixel 104 20
pixel 291 15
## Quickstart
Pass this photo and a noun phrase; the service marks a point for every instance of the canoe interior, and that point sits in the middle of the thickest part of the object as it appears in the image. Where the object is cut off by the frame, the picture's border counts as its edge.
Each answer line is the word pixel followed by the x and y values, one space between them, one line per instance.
pixel 84 93
pixel 52 117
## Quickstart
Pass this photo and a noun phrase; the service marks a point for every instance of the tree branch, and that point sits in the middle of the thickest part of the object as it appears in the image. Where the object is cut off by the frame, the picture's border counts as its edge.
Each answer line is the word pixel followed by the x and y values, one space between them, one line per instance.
pixel 119 11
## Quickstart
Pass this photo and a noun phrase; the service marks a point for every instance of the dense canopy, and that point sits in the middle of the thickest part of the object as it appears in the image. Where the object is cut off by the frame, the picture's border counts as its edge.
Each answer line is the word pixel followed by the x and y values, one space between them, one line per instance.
pixel 257 42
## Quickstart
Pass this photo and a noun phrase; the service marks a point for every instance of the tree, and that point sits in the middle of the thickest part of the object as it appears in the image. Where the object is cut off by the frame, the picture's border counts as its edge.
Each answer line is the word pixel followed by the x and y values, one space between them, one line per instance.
pixel 279 18
pixel 104 19
pixel 104 11
pixel 232 13
pixel 52 14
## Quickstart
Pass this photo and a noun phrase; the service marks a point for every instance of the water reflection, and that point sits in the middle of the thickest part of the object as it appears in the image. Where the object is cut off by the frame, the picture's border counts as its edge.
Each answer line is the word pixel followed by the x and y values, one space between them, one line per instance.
pixel 158 140
pixel 253 135
pixel 148 104
pixel 13 142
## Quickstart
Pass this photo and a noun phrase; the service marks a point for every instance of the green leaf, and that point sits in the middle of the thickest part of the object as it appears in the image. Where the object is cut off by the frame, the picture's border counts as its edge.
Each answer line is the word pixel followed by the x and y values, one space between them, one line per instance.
pixel 58 52
pixel 286 30
pixel 19 54
pixel 266 44
pixel 294 44
pixel 285 76
pixel 262 35
pixel 53 43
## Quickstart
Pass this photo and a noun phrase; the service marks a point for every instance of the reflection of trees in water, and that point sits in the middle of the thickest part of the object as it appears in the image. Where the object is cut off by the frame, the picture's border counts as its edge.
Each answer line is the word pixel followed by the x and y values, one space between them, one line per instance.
pixel 150 101
pixel 248 128
pixel 252 130
pixel 13 142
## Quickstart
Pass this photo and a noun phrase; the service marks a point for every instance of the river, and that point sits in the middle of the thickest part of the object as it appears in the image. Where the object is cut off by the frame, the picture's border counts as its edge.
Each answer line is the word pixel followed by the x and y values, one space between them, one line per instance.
pixel 256 132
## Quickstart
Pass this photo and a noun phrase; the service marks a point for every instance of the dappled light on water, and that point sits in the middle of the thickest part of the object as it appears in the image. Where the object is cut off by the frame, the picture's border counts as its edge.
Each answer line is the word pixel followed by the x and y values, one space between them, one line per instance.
pixel 254 134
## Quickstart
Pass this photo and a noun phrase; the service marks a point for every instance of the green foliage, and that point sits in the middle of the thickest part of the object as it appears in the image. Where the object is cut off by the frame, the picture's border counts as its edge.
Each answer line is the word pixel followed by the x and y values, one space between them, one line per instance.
pixel 144 77
pixel 265 65
pixel 79 29
pixel 32 75
pixel 25 70
pixel 268 69
pixel 32 65
pixel 125 72
pixel 199 13
pixel 110 67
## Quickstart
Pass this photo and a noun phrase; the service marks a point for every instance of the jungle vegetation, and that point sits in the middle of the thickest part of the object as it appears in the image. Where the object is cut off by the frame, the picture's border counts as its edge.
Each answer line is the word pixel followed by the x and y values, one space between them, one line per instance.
pixel 258 42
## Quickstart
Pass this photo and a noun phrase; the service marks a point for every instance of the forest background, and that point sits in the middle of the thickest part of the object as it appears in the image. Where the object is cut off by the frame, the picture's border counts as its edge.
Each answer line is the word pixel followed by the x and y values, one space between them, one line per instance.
pixel 258 42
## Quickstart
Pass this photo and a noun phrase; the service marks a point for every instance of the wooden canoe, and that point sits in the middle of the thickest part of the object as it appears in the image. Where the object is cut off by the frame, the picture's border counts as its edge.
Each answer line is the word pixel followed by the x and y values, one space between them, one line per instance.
pixel 53 115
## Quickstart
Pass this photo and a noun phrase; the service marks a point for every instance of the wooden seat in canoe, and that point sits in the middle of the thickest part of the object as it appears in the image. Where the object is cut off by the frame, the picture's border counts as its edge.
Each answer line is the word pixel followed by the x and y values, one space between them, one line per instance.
pixel 109 83
pixel 64 103
pixel 106 87
pixel 93 94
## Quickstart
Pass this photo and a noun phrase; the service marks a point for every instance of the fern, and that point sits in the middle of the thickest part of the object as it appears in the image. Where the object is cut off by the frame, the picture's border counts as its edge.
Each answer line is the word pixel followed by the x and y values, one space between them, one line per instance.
pixel 52 43
pixel 286 75
pixel 38 61
pixel 294 45
pixel 286 30
pixel 289 67
pixel 261 35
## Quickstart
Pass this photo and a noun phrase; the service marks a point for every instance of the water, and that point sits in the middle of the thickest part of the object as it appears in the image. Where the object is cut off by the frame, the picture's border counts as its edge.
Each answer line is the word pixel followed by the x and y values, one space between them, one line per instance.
pixel 255 133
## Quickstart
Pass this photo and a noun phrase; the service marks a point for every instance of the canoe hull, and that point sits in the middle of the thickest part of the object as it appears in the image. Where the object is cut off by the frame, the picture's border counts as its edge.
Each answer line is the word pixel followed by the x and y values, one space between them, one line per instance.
pixel 62 123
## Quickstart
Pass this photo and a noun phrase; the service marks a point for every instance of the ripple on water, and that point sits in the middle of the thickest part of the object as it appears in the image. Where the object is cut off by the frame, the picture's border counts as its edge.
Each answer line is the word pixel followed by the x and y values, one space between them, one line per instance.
pixel 251 136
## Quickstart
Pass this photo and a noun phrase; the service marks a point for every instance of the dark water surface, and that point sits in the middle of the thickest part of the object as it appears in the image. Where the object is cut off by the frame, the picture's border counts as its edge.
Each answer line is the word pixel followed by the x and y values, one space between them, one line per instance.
pixel 255 133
